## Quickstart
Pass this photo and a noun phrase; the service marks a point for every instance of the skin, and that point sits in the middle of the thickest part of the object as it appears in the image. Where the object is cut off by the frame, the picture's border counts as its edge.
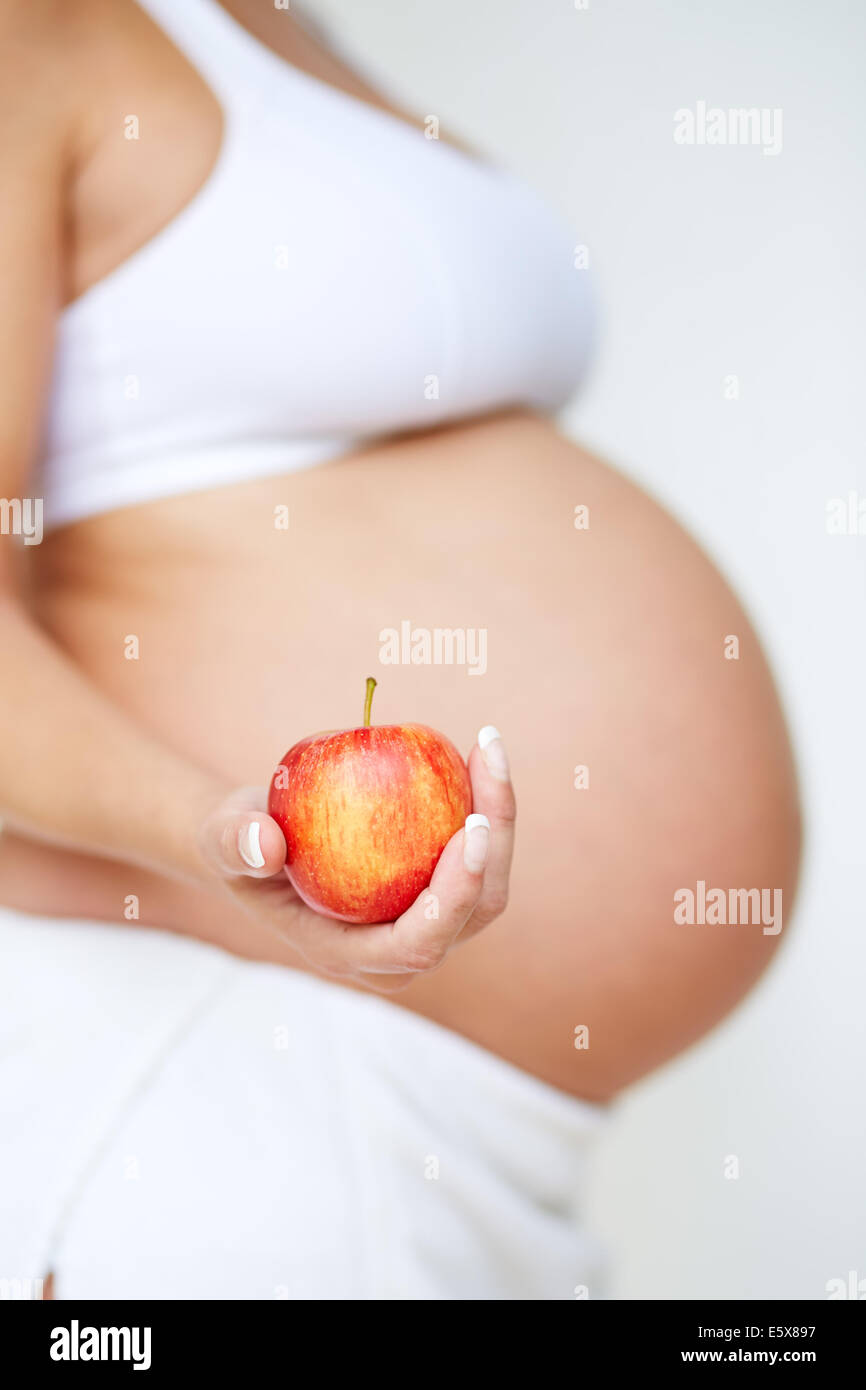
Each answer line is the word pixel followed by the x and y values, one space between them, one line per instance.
pixel 606 648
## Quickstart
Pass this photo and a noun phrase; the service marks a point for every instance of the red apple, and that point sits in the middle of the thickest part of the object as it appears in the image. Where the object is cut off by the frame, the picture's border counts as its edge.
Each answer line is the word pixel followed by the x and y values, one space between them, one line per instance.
pixel 366 814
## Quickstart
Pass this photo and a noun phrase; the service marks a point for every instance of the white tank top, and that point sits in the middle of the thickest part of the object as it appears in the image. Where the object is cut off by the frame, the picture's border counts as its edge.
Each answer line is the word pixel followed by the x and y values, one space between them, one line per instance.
pixel 338 277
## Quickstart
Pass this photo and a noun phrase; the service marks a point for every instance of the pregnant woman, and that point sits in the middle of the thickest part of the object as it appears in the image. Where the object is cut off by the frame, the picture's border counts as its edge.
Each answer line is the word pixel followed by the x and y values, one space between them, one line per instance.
pixel 282 367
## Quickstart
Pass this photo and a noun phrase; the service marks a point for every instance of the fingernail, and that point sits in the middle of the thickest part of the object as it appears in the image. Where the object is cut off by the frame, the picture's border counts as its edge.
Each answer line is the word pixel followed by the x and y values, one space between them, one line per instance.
pixel 493 752
pixel 250 846
pixel 476 840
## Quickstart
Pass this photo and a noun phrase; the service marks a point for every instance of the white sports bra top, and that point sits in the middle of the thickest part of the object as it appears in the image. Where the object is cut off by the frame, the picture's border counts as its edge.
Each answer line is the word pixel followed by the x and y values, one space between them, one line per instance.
pixel 338 277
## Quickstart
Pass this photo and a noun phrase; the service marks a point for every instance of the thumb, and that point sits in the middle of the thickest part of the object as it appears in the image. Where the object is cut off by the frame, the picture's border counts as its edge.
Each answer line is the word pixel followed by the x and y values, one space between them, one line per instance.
pixel 243 842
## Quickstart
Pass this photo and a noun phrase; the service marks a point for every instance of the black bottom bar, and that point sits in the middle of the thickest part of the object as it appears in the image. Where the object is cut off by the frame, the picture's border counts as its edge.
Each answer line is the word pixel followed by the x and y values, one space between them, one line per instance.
pixel 173 1338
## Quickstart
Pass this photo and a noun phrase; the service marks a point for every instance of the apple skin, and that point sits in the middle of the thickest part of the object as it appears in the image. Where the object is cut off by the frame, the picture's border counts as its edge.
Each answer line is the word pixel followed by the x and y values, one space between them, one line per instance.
pixel 366 814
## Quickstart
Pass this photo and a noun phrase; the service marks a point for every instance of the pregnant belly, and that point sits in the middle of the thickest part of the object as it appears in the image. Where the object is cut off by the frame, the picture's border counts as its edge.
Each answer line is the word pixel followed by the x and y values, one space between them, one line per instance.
pixel 450 567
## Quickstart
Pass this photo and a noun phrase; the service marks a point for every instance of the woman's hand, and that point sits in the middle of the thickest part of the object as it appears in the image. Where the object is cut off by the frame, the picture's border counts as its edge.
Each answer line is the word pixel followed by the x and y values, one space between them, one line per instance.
pixel 245 847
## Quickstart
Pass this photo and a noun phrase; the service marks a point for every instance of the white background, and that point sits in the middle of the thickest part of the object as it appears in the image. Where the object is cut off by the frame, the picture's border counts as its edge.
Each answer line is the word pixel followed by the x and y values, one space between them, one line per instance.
pixel 715 262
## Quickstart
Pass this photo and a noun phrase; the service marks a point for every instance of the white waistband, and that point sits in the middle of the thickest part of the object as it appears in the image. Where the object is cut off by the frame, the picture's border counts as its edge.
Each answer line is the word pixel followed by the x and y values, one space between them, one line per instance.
pixel 158 474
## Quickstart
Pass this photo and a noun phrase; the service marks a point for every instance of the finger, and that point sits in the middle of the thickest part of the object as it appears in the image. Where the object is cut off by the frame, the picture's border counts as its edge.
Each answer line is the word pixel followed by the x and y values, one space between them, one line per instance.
pixel 493 795
pixel 418 941
pixel 421 938
pixel 246 843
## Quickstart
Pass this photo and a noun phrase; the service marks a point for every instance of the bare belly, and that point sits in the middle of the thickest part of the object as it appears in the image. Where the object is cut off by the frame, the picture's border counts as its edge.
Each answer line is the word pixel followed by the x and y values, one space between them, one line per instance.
pixel 600 648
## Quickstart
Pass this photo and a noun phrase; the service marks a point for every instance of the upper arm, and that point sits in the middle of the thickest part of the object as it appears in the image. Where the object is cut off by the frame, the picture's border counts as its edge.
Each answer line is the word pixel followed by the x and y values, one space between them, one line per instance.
pixel 34 141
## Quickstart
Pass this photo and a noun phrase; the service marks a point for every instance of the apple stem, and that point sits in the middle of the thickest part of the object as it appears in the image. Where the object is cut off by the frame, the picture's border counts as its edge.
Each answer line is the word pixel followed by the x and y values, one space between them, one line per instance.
pixel 368 701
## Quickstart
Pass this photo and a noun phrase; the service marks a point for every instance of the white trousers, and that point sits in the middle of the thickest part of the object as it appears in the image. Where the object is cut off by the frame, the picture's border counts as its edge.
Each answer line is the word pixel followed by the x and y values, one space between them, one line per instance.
pixel 175 1123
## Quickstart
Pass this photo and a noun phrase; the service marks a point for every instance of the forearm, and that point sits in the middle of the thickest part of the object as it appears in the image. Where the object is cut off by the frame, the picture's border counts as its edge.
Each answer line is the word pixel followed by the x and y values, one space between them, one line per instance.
pixel 46 881
pixel 76 771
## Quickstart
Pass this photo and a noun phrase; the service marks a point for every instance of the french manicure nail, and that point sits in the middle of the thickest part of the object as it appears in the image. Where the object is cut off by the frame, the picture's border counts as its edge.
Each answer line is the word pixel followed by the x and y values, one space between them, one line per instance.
pixel 476 840
pixel 493 752
pixel 250 846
